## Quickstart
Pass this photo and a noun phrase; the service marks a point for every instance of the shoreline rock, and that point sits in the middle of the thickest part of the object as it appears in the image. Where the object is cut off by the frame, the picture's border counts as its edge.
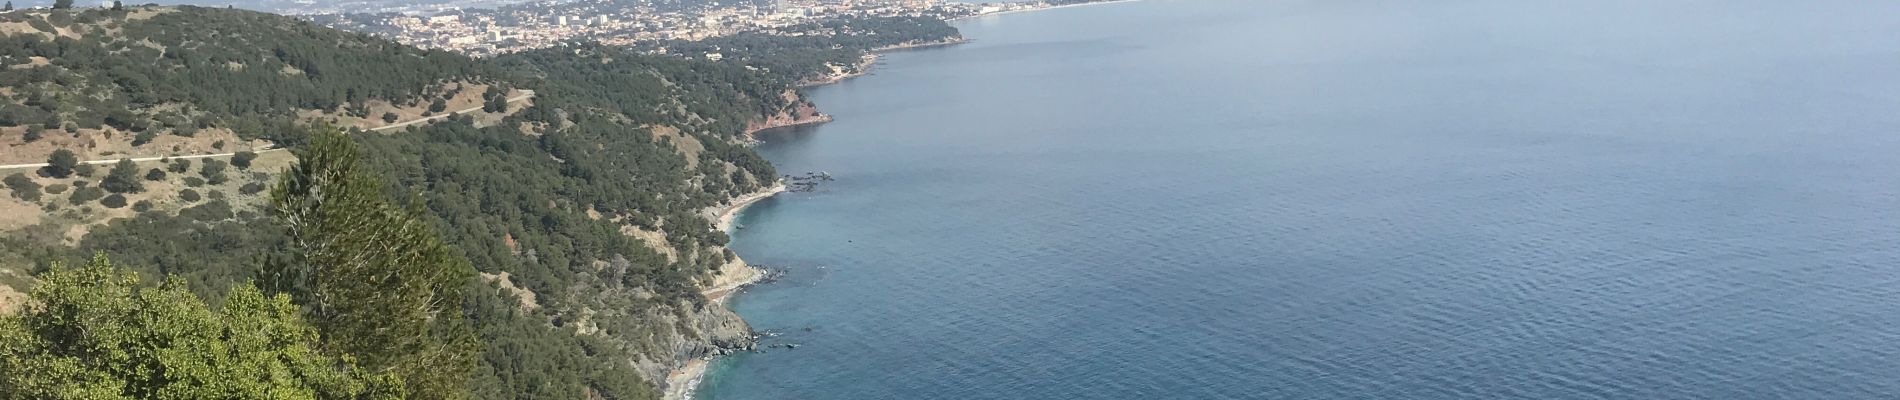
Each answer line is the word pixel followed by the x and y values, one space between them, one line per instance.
pixel 732 334
pixel 681 380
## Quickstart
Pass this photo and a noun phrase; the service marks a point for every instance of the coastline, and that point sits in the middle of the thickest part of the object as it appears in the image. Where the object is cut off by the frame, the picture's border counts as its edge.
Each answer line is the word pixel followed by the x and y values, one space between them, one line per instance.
pixel 682 382
pixel 870 59
pixel 1097 3
pixel 727 215
pixel 819 119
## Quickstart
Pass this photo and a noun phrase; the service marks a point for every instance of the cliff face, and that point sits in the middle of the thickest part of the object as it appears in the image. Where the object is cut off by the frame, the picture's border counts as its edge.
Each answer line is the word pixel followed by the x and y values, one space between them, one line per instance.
pixel 798 112
pixel 703 332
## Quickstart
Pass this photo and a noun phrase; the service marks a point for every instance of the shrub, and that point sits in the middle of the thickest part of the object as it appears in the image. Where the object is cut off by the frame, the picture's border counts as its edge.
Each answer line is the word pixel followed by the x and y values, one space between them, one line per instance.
pixel 57 188
pixel 23 187
pixel 85 170
pixel 212 168
pixel 155 175
pixel 86 195
pixel 194 181
pixel 142 206
pixel 243 159
pixel 188 195
pixel 124 178
pixel 114 201
pixel 62 164
pixel 251 188
pixel 179 165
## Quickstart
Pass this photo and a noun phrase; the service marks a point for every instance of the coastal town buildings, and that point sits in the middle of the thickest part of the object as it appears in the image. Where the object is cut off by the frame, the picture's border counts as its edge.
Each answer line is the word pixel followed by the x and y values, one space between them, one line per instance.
pixel 526 26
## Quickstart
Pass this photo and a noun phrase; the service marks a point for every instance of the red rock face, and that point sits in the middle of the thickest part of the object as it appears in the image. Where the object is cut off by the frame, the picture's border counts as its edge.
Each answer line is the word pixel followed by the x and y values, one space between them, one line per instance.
pixel 801 112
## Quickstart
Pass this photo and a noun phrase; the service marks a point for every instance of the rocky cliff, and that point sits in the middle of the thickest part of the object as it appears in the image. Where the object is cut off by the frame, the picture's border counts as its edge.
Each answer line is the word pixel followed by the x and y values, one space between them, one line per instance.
pixel 797 112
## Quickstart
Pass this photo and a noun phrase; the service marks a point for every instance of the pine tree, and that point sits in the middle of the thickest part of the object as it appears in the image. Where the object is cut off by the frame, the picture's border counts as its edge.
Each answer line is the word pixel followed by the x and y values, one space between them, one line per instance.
pixel 124 178
pixel 117 6
pixel 496 104
pixel 94 332
pixel 60 164
pixel 243 159
pixel 9 7
pixel 62 4
pixel 380 283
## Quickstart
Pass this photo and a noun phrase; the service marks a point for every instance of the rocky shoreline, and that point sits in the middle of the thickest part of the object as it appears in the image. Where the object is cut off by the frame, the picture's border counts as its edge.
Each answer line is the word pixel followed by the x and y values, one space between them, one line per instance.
pixel 681 381
pixel 870 59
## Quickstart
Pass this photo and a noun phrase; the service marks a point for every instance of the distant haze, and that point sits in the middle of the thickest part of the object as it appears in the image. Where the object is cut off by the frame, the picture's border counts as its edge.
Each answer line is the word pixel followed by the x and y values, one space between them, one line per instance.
pixel 295 6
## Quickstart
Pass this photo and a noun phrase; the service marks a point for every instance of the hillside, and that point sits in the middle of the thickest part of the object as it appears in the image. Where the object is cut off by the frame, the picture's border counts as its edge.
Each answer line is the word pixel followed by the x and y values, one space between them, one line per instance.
pixel 164 81
pixel 580 212
pixel 561 196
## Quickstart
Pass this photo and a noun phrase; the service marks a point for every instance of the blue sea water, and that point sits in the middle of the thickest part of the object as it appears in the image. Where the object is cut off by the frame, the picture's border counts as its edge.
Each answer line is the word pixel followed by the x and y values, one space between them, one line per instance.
pixel 1251 199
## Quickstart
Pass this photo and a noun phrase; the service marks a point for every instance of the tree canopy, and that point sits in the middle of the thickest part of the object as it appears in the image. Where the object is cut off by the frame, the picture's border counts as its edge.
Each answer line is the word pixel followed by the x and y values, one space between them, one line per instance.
pixel 94 332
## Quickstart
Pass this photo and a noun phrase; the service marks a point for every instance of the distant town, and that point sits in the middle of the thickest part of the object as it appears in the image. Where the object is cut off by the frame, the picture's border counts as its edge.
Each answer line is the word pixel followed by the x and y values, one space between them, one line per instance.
pixel 526 26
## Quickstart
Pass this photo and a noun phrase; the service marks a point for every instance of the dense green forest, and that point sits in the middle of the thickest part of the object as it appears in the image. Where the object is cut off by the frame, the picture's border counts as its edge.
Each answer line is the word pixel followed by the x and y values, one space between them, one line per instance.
pixel 177 70
pixel 458 259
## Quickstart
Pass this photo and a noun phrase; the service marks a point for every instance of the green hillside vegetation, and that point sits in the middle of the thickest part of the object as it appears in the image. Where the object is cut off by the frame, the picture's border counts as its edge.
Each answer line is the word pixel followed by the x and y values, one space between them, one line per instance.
pixel 511 258
pixel 177 70
pixel 97 332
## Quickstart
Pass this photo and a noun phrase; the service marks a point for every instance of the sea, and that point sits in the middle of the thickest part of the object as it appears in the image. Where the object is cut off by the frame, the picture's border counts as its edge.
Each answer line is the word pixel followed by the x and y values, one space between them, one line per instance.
pixel 1347 199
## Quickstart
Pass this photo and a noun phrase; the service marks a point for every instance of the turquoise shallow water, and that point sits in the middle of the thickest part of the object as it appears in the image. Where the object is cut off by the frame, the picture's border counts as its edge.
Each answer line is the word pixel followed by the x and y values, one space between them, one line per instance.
pixel 1358 199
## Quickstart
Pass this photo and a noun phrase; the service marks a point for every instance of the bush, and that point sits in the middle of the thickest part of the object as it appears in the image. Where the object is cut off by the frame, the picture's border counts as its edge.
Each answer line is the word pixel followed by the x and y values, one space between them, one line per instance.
pixel 251 188
pixel 212 168
pixel 218 145
pixel 57 188
pixel 86 195
pixel 194 181
pixel 389 118
pixel 62 163
pixel 85 170
pixel 243 159
pixel 143 137
pixel 23 187
pixel 188 195
pixel 155 175
pixel 42 26
pixel 217 195
pixel 142 206
pixel 124 178
pixel 114 201
pixel 179 165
